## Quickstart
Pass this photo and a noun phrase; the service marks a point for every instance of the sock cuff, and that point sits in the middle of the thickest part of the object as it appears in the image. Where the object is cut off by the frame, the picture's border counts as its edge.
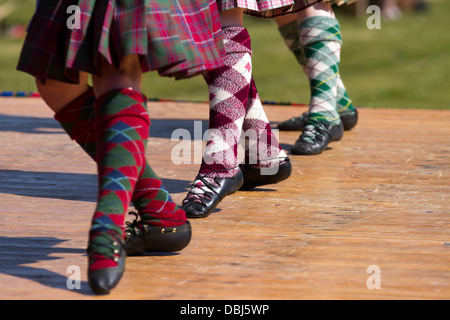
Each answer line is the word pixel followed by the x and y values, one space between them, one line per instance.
pixel 236 39
pixel 67 113
pixel 76 117
pixel 290 34
pixel 127 102
pixel 319 28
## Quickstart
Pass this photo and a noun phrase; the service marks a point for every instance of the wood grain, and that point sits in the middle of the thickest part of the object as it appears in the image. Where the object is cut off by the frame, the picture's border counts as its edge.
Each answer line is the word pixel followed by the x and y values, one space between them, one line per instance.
pixel 380 196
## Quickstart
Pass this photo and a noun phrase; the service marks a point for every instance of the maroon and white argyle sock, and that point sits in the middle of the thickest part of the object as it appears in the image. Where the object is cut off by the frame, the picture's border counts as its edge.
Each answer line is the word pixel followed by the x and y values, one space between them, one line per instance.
pixel 264 149
pixel 228 95
pixel 235 106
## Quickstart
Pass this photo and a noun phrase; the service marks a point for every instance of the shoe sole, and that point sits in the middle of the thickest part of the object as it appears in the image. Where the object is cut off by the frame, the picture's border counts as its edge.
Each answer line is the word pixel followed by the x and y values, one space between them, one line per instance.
pixel 283 174
pixel 161 239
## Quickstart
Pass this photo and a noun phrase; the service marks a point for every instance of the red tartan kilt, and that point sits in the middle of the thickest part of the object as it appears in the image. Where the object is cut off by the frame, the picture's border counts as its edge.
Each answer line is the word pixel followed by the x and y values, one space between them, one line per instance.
pixel 273 8
pixel 260 8
pixel 176 38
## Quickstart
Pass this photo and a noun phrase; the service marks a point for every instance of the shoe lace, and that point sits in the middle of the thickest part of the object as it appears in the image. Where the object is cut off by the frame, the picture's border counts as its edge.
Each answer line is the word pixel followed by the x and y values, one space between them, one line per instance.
pixel 312 129
pixel 200 188
pixel 133 228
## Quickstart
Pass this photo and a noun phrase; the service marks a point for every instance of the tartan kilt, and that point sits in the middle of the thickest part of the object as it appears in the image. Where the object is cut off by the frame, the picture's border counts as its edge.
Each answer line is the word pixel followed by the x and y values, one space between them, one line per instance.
pixel 260 8
pixel 302 4
pixel 272 8
pixel 177 38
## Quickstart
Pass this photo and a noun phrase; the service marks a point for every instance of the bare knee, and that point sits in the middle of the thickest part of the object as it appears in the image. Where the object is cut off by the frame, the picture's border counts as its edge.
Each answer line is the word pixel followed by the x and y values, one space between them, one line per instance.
pixel 129 74
pixel 232 17
pixel 319 9
pixel 57 94
pixel 286 19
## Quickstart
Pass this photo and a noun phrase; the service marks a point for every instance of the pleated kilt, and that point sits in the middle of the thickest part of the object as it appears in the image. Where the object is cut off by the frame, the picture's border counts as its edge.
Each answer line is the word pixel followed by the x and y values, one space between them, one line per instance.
pixel 272 8
pixel 260 8
pixel 302 4
pixel 177 38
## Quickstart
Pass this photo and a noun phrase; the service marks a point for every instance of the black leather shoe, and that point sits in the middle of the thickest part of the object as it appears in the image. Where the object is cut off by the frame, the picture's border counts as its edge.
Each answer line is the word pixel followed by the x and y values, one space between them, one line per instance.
pixel 349 120
pixel 294 123
pixel 255 177
pixel 141 237
pixel 214 193
pixel 110 246
pixel 325 133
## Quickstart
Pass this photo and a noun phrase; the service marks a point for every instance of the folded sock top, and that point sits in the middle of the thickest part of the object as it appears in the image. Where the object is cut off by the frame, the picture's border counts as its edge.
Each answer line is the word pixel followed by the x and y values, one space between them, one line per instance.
pixel 236 39
pixel 319 28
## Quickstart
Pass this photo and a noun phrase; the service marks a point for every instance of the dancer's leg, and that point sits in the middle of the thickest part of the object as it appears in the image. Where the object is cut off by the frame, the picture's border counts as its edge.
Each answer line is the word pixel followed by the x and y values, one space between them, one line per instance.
pixel 234 107
pixel 163 225
pixel 289 30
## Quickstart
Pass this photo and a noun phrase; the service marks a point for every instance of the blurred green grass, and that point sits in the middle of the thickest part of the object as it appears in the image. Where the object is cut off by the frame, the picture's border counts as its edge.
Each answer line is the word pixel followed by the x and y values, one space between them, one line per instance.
pixel 402 65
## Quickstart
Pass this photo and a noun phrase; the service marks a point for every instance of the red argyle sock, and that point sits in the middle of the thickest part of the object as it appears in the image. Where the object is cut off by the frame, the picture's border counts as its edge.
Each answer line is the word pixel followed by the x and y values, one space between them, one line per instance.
pixel 122 129
pixel 78 120
pixel 150 198
pixel 155 205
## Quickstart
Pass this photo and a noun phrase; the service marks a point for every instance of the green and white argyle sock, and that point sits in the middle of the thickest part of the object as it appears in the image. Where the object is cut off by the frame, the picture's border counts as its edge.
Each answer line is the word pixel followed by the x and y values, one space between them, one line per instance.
pixel 291 37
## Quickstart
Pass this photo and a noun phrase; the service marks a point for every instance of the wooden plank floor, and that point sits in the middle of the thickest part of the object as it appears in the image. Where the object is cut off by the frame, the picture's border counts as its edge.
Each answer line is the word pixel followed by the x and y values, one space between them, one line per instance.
pixel 379 197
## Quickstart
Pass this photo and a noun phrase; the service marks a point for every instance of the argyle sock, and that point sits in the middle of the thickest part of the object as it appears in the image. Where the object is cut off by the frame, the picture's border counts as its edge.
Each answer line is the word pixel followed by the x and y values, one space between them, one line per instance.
pixel 290 34
pixel 343 103
pixel 228 95
pixel 235 106
pixel 263 146
pixel 229 88
pixel 150 198
pixel 321 40
pixel 78 120
pixel 291 37
pixel 155 205
pixel 122 125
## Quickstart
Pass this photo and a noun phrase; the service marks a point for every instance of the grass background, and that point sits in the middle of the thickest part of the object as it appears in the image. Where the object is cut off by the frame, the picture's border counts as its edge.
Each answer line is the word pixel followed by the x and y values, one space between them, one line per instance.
pixel 405 64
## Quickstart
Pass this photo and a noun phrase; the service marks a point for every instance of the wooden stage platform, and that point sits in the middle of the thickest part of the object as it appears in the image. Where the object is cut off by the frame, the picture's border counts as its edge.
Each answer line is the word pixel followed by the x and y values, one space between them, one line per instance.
pixel 367 219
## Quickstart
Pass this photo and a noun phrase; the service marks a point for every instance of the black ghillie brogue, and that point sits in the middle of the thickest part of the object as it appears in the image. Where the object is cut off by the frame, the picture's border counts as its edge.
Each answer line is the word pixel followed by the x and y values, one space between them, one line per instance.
pixel 349 120
pixel 142 237
pixel 316 136
pixel 103 246
pixel 214 191
pixel 294 123
pixel 256 177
